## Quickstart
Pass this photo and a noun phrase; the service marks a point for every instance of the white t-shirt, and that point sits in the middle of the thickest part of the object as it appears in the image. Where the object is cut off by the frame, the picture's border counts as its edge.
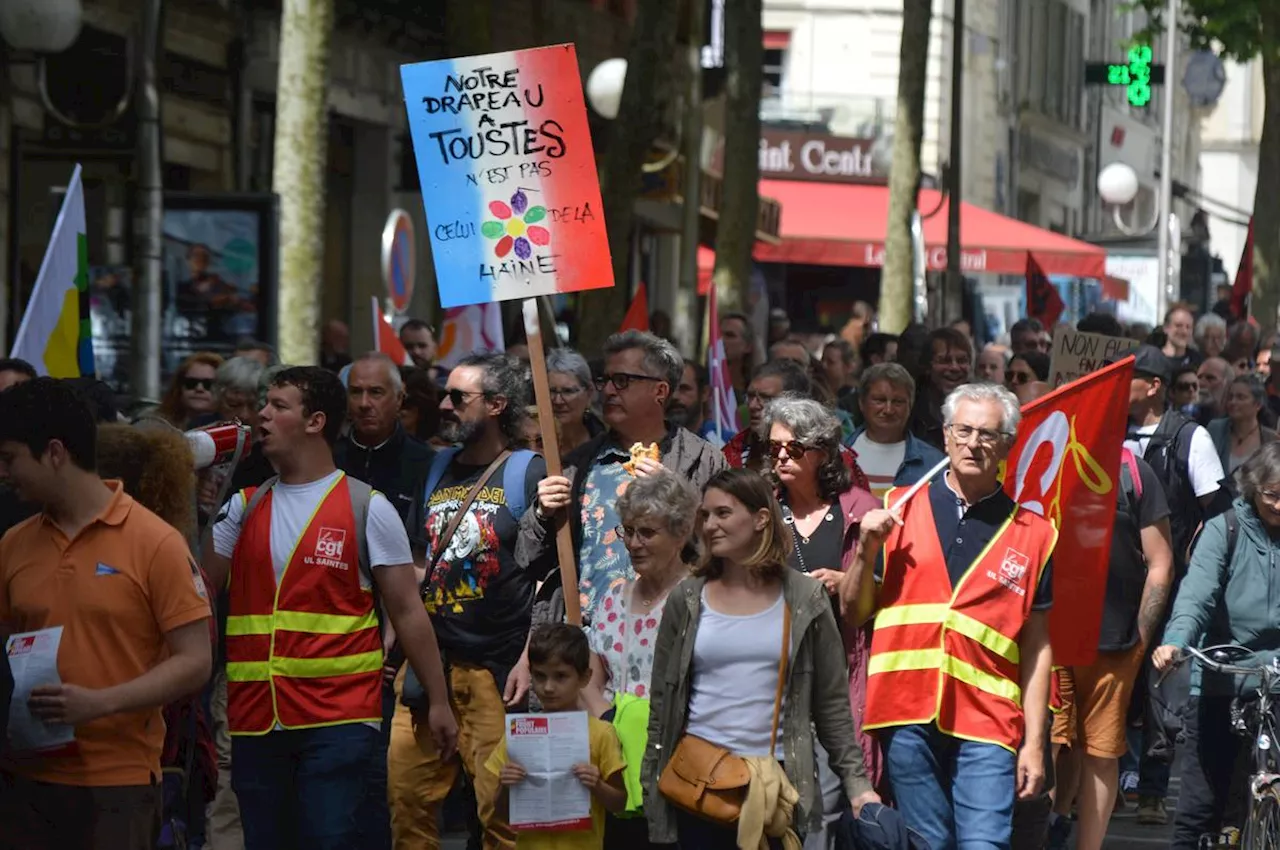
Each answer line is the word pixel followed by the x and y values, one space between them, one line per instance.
pixel 880 462
pixel 293 505
pixel 735 678
pixel 1204 466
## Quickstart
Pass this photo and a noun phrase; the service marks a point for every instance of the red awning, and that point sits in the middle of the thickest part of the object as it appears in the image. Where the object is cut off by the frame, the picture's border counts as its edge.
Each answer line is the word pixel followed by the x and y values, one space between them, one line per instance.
pixel 777 39
pixel 833 224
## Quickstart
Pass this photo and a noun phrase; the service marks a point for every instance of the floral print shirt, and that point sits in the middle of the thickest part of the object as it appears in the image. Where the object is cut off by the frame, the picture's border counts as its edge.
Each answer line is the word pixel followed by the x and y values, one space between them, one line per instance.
pixel 624 643
pixel 603 560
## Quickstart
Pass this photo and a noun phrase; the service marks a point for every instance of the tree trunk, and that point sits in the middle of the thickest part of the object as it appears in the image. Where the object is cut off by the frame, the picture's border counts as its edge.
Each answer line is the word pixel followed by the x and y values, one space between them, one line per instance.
pixel 641 116
pixel 299 172
pixel 897 284
pixel 740 197
pixel 1266 200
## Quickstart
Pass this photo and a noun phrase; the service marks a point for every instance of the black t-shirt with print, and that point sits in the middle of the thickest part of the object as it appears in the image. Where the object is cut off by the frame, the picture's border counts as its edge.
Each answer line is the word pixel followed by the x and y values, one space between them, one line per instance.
pixel 479 600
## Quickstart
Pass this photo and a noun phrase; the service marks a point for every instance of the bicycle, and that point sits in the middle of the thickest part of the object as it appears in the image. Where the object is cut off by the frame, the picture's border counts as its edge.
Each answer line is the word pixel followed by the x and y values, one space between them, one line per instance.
pixel 1255 721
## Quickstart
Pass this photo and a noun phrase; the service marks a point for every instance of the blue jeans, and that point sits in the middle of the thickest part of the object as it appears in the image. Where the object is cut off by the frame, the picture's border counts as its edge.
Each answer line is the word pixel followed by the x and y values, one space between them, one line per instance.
pixel 957 794
pixel 303 789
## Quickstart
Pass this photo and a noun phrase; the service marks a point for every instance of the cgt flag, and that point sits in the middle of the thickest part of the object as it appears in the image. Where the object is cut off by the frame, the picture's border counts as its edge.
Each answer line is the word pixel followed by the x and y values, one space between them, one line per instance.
pixel 1065 465
pixel 1043 301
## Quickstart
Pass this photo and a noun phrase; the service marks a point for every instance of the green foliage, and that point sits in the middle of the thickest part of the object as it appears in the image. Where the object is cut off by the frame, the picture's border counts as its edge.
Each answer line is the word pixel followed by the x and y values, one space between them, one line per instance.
pixel 1231 28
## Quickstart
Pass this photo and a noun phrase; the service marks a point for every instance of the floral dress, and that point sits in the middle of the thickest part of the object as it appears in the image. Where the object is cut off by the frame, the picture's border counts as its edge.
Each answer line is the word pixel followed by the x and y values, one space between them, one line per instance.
pixel 625 643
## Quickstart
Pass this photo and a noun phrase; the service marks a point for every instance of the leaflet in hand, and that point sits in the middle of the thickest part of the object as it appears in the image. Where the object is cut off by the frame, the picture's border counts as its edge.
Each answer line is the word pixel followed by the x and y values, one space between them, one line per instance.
pixel 33 659
pixel 547 746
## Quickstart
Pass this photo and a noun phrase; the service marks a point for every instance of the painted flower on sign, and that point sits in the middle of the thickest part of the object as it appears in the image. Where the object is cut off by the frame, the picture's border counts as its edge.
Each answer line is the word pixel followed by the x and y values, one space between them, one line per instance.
pixel 516 227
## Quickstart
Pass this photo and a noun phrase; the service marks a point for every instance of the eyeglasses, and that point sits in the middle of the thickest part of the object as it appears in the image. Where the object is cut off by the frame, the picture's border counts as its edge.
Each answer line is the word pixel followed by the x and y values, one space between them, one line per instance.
pixel 458 398
pixel 628 532
pixel 1019 378
pixel 1270 496
pixel 567 392
pixel 755 395
pixel 967 433
pixel 794 449
pixel 622 380
pixel 197 383
pixel 1185 387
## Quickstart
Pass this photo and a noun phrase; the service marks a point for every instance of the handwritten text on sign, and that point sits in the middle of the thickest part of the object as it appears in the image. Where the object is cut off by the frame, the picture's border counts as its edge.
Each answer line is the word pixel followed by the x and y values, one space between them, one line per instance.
pixel 1076 354
pixel 508 175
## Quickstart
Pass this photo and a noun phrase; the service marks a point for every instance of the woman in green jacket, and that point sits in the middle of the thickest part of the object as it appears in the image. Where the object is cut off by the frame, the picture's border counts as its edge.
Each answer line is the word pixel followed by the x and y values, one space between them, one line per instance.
pixel 1228 596
pixel 715 666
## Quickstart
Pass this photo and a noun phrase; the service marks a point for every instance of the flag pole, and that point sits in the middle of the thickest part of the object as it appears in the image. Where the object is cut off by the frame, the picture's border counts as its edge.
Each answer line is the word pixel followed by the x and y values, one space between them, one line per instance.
pixel 551 451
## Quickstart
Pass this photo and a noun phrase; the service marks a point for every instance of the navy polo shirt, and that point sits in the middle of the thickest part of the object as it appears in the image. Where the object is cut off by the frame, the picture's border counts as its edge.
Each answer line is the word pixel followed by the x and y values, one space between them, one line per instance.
pixel 964 534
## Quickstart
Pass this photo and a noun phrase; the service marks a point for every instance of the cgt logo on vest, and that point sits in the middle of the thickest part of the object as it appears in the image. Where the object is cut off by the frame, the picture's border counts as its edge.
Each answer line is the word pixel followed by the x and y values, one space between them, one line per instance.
pixel 329 545
pixel 1012 569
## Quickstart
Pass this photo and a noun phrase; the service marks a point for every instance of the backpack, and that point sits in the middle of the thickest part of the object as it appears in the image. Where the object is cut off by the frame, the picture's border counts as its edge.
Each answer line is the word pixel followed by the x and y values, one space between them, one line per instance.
pixel 513 477
pixel 361 494
pixel 1169 452
pixel 1131 489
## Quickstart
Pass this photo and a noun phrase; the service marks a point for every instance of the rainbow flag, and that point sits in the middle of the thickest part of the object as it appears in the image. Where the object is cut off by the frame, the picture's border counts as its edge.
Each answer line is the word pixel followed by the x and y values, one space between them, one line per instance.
pixel 508 175
pixel 56 335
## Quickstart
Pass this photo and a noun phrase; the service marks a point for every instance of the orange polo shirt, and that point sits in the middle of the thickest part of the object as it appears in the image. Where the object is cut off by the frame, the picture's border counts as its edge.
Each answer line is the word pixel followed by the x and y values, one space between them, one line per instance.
pixel 116 588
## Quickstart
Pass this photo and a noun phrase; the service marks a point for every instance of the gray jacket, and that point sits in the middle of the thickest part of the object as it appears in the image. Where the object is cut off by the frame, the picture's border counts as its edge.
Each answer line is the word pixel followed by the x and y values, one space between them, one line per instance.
pixel 816 696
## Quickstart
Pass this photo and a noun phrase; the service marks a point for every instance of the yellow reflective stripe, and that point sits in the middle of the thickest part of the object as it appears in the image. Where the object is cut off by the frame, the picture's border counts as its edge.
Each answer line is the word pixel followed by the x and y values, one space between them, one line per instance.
pixel 317 668
pixel 982 556
pixel 324 624
pixel 912 615
pixel 1001 645
pixel 971 675
pixel 248 671
pixel 936 659
pixel 249 624
pixel 906 659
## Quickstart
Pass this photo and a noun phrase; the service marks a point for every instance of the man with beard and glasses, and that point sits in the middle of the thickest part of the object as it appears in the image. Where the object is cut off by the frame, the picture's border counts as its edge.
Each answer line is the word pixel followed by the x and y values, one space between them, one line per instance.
pixel 479 599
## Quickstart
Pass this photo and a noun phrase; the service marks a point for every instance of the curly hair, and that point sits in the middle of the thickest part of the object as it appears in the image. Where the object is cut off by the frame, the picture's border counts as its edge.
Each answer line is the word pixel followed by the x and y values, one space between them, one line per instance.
pixel 156 468
pixel 812 424
pixel 508 377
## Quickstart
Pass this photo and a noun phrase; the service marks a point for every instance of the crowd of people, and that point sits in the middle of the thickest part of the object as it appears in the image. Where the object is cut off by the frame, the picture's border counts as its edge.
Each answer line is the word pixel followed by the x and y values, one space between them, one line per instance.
pixel 784 642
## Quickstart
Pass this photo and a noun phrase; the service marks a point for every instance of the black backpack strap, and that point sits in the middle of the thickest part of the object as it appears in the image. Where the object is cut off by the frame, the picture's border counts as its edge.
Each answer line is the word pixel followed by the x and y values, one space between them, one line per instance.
pixel 1233 532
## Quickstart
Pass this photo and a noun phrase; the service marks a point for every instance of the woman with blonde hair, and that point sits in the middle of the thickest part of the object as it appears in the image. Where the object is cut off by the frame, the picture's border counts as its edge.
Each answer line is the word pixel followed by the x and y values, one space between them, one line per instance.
pixel 740 639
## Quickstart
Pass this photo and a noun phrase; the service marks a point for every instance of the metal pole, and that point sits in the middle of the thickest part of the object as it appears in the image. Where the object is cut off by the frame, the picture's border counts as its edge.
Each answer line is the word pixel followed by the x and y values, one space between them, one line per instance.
pixel 1168 291
pixel 147 303
pixel 954 282
pixel 692 190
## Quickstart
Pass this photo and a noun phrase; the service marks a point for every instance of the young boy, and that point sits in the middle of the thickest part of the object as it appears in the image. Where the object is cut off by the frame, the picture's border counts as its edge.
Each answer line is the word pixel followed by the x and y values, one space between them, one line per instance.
pixel 560 666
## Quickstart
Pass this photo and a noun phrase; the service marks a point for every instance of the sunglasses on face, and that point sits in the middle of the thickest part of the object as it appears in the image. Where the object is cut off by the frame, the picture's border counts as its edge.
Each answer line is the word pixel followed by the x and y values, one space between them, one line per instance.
pixel 197 383
pixel 458 398
pixel 1019 378
pixel 621 380
pixel 794 449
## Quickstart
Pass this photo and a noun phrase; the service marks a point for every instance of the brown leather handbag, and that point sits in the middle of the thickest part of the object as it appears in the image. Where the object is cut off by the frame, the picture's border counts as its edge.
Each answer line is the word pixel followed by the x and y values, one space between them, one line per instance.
pixel 707 780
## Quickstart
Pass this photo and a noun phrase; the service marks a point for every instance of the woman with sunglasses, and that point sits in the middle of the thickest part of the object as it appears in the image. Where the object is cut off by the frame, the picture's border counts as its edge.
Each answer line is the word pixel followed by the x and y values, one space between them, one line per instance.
pixel 823 504
pixel 656 514
pixel 1026 368
pixel 190 394
pixel 717 671
pixel 571 396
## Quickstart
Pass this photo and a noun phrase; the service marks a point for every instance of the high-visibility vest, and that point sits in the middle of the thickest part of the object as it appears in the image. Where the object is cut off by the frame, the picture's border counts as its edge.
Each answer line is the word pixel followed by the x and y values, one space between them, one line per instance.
pixel 949 655
pixel 309 652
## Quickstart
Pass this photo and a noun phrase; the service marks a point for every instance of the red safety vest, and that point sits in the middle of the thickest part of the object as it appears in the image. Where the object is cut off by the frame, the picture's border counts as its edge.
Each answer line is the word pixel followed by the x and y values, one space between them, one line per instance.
pixel 308 653
pixel 949 655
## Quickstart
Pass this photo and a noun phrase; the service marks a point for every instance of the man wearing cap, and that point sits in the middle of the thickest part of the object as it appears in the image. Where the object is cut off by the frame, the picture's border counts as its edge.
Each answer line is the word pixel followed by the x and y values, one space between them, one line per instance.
pixel 1182 455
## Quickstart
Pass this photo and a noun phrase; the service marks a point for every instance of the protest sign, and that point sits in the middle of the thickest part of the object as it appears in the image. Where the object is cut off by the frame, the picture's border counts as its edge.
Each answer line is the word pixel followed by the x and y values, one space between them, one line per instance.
pixel 508 175
pixel 1076 354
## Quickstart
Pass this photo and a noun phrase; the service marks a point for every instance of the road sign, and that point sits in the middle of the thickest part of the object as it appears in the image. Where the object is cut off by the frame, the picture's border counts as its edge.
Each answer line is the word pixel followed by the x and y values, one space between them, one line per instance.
pixel 398 259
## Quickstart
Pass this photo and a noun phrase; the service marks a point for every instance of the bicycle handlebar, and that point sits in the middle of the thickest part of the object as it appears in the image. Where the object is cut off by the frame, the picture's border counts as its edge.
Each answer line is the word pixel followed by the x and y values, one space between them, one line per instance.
pixel 1267 672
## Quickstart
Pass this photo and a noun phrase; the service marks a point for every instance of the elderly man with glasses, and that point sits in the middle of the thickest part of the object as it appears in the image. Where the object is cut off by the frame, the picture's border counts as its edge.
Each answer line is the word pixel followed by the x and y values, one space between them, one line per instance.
pixel 960 580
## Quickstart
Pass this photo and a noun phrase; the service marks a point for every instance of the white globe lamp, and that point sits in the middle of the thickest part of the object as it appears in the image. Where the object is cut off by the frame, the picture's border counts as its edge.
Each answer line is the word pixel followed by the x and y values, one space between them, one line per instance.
pixel 1118 184
pixel 604 87
pixel 40 26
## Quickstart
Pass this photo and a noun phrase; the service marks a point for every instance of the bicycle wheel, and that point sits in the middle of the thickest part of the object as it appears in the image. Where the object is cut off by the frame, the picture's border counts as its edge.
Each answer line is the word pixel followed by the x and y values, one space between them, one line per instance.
pixel 1262 827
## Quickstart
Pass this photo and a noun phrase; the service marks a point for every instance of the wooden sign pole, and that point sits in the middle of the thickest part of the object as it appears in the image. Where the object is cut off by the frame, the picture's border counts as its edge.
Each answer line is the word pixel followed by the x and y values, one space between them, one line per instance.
pixel 551 451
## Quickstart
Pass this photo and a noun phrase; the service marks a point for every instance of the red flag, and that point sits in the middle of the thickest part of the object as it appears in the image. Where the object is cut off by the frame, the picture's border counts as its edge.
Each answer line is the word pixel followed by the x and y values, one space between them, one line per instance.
pixel 385 338
pixel 1243 285
pixel 1043 301
pixel 637 318
pixel 1065 465
pixel 724 403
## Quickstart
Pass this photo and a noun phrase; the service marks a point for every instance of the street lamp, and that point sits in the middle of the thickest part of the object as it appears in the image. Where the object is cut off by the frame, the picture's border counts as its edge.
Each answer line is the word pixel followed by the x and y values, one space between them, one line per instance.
pixel 40 26
pixel 604 87
pixel 1118 186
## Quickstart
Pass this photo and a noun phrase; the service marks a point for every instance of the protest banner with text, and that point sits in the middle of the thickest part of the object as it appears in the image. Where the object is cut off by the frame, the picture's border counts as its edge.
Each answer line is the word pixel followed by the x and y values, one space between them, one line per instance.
pixel 1076 354
pixel 508 175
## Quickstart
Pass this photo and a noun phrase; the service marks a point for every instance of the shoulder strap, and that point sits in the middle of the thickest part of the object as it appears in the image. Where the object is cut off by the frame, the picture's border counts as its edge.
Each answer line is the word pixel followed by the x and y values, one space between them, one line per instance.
pixel 361 494
pixel 513 477
pixel 258 495
pixel 461 512
pixel 1135 476
pixel 1233 531
pixel 782 674
pixel 439 463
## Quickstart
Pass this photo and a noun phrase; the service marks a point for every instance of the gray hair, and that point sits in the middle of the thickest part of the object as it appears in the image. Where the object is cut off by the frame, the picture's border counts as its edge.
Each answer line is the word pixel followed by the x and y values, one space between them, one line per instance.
pixel 566 361
pixel 1209 320
pixel 394 378
pixel 814 425
pixel 894 373
pixel 1261 470
pixel 1010 412
pixel 666 496
pixel 661 359
pixel 239 374
pixel 1254 385
pixel 508 377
